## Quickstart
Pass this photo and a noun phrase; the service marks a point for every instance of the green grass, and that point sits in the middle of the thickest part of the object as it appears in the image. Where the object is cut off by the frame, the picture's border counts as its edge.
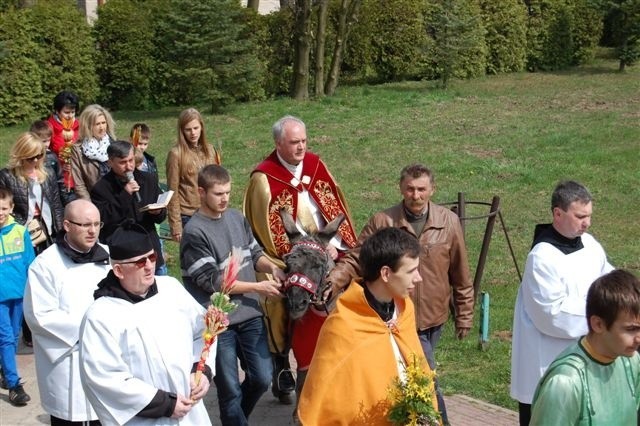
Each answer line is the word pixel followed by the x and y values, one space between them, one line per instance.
pixel 513 136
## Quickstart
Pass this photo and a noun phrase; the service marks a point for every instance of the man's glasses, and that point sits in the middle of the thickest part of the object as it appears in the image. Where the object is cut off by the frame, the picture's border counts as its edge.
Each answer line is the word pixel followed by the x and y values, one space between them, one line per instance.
pixel 87 226
pixel 34 158
pixel 140 263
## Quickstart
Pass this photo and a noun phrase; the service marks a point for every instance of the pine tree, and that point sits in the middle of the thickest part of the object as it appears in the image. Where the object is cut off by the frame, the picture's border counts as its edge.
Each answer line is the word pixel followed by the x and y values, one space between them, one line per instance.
pixel 210 55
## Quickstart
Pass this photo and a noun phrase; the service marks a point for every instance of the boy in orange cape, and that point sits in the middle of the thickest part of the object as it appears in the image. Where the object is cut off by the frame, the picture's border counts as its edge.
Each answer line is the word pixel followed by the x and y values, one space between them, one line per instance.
pixel 368 340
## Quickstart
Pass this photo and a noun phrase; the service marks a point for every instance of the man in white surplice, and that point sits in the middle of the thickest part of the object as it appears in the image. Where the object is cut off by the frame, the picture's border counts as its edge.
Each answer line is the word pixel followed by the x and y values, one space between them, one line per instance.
pixel 60 288
pixel 141 340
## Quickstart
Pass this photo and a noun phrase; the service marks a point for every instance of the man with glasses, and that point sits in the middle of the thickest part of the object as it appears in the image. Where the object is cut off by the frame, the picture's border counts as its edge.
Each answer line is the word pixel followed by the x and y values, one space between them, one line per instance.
pixel 121 193
pixel 60 288
pixel 141 340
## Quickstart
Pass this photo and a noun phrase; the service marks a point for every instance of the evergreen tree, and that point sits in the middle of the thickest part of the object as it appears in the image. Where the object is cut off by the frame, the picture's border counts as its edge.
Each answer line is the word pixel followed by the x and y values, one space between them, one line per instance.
pixel 66 56
pixel 124 60
pixel 21 96
pixel 505 22
pixel 209 52
pixel 459 48
pixel 623 29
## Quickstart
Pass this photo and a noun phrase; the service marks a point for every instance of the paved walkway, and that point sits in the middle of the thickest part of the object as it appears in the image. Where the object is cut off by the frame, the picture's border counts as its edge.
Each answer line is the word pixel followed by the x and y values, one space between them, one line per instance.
pixel 463 411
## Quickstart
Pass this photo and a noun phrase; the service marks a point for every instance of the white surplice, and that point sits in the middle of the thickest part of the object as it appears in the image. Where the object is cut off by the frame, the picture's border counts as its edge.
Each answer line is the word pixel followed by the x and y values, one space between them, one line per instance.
pixel 129 351
pixel 57 295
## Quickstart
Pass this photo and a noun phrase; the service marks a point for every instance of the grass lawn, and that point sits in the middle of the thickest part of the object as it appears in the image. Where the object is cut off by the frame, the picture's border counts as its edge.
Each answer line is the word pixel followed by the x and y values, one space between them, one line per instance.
pixel 513 136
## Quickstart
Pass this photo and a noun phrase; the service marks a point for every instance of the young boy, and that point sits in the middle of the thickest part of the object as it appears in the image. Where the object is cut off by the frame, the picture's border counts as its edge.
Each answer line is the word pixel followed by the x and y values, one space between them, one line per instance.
pixel 597 380
pixel 42 129
pixel 16 254
pixel 140 137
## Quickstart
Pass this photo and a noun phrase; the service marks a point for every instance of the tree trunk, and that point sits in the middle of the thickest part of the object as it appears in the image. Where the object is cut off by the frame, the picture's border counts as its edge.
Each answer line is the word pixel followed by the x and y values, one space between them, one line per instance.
pixel 253 4
pixel 286 3
pixel 348 14
pixel 321 35
pixel 302 48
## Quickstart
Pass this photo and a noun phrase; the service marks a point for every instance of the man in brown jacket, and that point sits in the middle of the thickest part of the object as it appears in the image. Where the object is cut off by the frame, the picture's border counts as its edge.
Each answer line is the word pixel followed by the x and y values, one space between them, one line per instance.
pixel 443 261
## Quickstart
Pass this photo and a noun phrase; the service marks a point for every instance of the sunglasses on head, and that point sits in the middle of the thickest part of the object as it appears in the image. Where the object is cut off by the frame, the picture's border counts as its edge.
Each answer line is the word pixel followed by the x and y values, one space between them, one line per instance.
pixel 140 263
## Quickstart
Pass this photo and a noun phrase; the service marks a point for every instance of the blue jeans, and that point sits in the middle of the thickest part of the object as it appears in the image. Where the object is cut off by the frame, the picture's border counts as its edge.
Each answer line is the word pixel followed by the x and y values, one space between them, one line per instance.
pixel 10 320
pixel 246 341
pixel 429 340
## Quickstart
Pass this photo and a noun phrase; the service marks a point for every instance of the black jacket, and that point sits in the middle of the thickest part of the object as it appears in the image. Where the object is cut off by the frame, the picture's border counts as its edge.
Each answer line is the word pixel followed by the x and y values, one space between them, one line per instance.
pixel 115 205
pixel 20 190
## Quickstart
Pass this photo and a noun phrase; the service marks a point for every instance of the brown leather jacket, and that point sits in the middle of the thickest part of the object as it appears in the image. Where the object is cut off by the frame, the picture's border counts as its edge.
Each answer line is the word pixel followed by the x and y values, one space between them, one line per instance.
pixel 443 265
pixel 85 172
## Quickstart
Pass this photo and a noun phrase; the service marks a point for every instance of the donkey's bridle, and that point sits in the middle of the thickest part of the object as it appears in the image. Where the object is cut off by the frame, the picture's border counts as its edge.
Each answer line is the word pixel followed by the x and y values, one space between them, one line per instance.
pixel 304 282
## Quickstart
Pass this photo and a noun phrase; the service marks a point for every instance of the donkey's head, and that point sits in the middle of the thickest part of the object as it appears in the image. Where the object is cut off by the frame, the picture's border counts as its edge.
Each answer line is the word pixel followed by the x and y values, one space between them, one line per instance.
pixel 307 264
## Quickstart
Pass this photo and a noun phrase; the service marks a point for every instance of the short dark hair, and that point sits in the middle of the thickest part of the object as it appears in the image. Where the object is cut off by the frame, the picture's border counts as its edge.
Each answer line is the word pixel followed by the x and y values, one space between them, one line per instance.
pixel 119 149
pixel 41 129
pixel 6 194
pixel 613 293
pixel 415 171
pixel 144 129
pixel 64 99
pixel 211 175
pixel 385 248
pixel 567 192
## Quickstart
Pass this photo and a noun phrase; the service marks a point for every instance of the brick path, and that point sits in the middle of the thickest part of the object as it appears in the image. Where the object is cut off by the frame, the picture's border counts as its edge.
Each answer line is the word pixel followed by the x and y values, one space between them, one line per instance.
pixel 462 410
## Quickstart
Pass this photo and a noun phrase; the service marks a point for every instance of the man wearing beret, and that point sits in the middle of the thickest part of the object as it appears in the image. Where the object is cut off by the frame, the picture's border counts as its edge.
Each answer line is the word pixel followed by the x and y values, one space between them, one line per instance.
pixel 140 341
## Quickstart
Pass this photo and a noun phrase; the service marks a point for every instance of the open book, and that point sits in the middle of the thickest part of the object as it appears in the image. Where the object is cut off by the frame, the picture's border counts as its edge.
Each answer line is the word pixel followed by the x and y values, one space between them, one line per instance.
pixel 163 201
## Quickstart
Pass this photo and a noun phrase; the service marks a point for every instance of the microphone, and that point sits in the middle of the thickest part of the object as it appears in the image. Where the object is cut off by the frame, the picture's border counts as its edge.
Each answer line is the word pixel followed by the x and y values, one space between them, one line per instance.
pixel 130 177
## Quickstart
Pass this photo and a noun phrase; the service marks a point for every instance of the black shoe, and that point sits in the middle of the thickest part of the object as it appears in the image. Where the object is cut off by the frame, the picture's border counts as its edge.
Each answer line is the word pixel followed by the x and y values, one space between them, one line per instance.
pixel 284 384
pixel 3 382
pixel 18 397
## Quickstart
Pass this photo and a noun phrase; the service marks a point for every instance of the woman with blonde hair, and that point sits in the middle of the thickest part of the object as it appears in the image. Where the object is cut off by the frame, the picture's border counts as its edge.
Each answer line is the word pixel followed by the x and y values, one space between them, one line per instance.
pixel 89 154
pixel 35 192
pixel 190 153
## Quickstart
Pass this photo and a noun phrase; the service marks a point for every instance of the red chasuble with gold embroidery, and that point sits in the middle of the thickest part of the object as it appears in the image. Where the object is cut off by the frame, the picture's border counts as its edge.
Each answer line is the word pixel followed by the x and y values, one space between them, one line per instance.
pixel 284 193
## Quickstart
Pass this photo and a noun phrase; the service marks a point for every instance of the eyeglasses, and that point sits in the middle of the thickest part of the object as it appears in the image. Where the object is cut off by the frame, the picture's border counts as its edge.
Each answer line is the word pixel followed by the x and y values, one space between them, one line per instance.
pixel 34 158
pixel 140 263
pixel 87 226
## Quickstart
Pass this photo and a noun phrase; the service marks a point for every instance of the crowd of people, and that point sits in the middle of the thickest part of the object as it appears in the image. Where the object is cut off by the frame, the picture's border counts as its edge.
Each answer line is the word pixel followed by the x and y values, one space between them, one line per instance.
pixel 116 340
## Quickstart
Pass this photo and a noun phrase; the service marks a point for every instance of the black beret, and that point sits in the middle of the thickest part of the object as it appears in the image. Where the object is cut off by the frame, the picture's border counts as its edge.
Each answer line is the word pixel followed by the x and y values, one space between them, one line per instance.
pixel 129 240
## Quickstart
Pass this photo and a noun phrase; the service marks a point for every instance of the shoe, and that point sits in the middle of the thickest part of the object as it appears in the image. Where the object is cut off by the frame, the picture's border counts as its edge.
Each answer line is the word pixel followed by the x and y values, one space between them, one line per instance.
pixel 27 343
pixel 18 397
pixel 284 384
pixel 3 382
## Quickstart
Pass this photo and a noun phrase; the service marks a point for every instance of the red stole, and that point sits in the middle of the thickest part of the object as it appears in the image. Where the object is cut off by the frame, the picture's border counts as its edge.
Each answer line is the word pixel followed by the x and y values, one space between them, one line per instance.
pixel 321 187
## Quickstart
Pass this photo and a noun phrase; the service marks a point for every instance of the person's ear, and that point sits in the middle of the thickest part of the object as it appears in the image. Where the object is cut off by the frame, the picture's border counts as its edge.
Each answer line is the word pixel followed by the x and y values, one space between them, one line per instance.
pixel 201 192
pixel 117 271
pixel 598 324
pixel 385 273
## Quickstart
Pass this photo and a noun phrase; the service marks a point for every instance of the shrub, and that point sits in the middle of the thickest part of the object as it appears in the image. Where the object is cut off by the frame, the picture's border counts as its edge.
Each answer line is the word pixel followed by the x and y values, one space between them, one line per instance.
pixel 209 53
pixel 505 24
pixel 277 48
pixel 124 58
pixel 388 42
pixel 21 96
pixel 66 58
pixel 459 48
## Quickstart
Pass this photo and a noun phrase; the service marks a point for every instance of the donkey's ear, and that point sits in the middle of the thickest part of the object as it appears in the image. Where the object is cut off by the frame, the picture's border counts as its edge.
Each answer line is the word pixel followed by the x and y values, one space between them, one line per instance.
pixel 331 229
pixel 289 224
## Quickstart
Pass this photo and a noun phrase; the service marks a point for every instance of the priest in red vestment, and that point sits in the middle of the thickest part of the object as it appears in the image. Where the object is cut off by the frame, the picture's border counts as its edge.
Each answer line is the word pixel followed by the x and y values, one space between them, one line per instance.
pixel 295 179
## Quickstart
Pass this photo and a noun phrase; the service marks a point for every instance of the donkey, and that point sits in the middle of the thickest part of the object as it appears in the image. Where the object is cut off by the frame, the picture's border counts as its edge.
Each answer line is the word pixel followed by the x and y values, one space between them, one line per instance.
pixel 307 266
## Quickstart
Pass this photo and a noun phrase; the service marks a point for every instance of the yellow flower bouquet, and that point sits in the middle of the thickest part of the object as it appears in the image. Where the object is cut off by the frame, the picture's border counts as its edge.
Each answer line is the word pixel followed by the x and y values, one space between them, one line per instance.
pixel 412 398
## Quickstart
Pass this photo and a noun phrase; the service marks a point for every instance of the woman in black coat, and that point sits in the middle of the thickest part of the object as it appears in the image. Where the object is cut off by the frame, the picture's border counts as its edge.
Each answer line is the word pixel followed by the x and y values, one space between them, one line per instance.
pixel 35 192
